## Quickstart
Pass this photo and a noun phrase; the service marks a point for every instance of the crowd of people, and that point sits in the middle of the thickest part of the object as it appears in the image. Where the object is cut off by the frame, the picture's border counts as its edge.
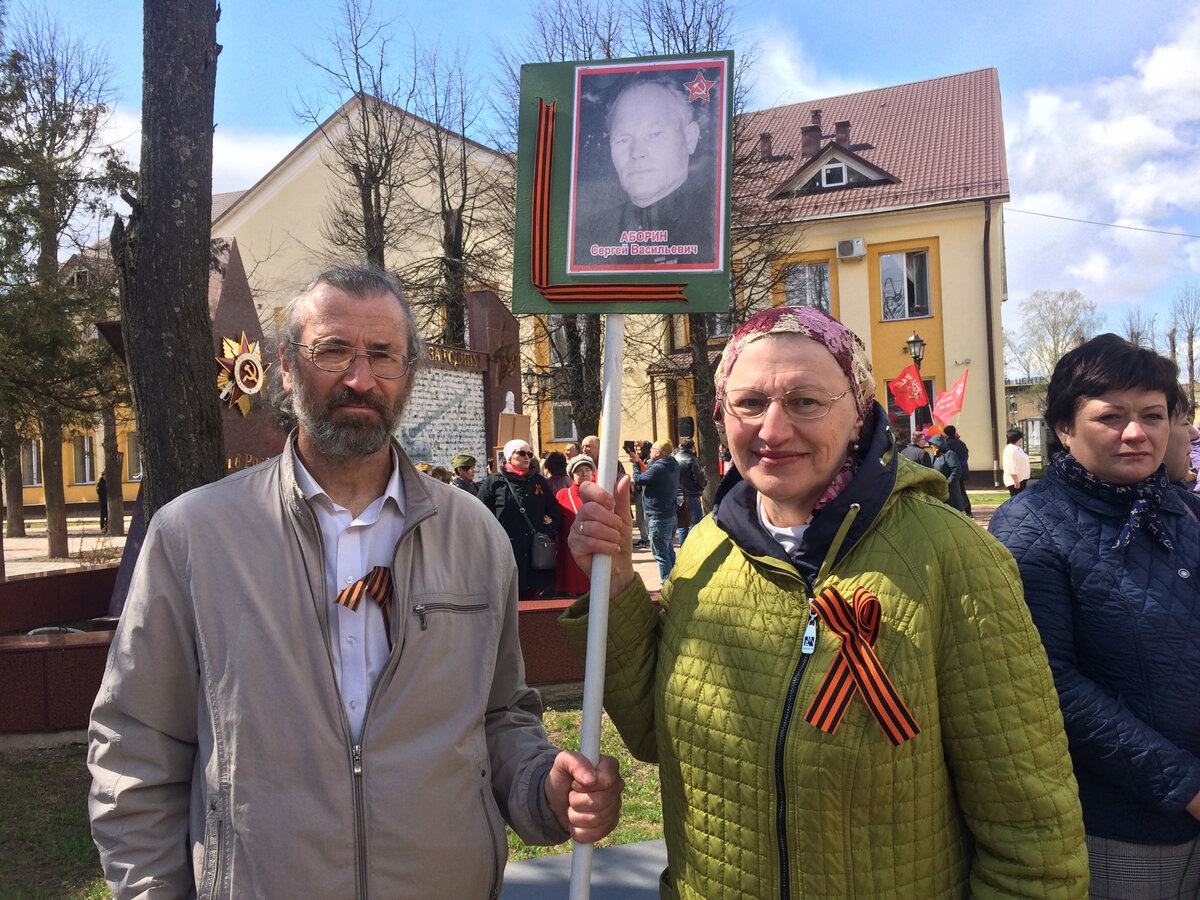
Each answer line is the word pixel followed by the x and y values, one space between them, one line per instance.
pixel 849 687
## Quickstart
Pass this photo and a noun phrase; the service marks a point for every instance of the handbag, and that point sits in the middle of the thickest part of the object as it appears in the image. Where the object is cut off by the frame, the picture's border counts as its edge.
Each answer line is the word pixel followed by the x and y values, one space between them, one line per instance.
pixel 683 514
pixel 543 551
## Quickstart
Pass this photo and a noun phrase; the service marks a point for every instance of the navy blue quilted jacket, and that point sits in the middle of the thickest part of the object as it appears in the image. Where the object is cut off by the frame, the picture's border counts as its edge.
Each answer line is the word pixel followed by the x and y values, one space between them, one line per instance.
pixel 1122 630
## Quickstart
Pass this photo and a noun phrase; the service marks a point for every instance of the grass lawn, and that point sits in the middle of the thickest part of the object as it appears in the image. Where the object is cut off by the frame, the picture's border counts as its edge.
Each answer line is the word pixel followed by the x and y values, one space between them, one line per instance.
pixel 46 850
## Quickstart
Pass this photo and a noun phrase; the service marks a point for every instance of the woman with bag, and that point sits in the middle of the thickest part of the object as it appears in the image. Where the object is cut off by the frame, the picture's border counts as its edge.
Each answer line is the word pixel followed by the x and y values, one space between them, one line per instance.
pixel 522 501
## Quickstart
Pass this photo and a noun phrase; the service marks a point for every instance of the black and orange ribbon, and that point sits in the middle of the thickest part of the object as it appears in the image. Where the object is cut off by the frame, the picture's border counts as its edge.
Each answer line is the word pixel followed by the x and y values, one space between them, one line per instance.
pixel 857 670
pixel 539 249
pixel 376 584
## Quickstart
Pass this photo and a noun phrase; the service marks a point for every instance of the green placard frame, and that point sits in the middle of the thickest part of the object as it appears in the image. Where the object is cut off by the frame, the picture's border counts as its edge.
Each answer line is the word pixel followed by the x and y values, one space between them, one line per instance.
pixel 697 292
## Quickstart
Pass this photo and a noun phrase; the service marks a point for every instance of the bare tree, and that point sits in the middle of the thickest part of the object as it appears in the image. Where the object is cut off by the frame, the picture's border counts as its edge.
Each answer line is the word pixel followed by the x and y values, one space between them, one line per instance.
pixel 457 191
pixel 1185 321
pixel 1139 328
pixel 1052 323
pixel 368 133
pixel 163 256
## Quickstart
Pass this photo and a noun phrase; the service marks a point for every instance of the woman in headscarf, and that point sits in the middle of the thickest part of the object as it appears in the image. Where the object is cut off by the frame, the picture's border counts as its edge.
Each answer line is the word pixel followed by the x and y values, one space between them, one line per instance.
pixel 523 502
pixel 1109 552
pixel 843 689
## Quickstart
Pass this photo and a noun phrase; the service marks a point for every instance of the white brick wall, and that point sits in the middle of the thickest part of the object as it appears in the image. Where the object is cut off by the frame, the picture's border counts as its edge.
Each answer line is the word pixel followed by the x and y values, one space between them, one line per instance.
pixel 444 417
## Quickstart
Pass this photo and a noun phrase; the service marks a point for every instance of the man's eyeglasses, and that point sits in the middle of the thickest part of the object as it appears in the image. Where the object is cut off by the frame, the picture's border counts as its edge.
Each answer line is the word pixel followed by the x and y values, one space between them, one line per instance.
pixel 522 453
pixel 339 357
pixel 799 403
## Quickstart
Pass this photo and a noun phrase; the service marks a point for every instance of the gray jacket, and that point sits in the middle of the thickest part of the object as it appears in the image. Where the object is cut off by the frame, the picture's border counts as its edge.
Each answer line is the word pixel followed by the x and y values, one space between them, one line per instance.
pixel 222 759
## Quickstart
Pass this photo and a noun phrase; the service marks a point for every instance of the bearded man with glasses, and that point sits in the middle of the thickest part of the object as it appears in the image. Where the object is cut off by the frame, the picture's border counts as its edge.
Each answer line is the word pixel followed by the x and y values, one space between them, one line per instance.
pixel 307 694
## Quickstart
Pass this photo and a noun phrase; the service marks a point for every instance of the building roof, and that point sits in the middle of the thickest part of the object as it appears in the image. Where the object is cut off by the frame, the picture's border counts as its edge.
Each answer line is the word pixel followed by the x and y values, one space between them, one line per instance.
pixel 942 139
pixel 222 202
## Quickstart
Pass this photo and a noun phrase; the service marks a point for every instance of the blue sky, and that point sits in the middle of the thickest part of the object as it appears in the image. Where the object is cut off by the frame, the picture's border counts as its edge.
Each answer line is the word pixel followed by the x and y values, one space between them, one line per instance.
pixel 1101 105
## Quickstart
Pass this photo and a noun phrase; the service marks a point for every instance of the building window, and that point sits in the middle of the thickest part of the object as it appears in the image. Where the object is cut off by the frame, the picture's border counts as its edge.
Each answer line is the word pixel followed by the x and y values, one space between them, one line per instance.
pixel 904 282
pixel 85 459
pixel 562 426
pixel 79 278
pixel 833 174
pixel 807 285
pixel 31 463
pixel 133 457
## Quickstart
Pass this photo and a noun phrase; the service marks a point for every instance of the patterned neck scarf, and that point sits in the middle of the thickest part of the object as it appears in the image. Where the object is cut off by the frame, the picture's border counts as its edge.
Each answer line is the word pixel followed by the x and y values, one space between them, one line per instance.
pixel 1144 498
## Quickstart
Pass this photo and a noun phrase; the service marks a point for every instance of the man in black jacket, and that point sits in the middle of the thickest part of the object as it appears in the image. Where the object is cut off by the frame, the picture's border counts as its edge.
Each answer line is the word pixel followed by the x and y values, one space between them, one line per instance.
pixel 955 443
pixel 692 482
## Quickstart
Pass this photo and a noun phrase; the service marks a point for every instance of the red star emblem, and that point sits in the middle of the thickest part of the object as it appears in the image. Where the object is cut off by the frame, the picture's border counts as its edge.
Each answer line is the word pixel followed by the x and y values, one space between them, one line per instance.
pixel 698 88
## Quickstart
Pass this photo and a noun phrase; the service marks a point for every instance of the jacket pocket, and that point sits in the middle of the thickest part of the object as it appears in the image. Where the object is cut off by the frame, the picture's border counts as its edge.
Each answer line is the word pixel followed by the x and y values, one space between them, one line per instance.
pixel 495 826
pixel 428 609
pixel 215 822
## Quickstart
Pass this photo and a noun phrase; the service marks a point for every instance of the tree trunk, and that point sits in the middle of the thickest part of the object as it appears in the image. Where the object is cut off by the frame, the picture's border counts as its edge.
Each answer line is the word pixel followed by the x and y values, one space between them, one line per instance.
pixel 704 396
pixel 14 484
pixel 112 472
pixel 163 257
pixel 50 427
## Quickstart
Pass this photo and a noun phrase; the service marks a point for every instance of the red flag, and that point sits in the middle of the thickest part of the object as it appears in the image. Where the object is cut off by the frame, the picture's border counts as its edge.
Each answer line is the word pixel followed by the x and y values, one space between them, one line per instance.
pixel 949 403
pixel 909 390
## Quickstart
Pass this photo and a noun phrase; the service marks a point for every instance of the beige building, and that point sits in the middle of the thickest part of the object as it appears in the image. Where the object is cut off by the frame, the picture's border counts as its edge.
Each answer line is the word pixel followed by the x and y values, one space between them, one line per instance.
pixel 897 197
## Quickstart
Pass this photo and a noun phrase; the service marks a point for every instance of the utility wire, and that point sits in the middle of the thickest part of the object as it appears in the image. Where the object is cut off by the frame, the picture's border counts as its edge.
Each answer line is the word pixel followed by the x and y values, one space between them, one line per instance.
pixel 1102 224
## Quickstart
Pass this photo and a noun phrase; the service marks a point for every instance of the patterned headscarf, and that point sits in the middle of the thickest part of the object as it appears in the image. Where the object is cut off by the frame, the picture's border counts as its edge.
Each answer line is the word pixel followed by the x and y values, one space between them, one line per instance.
pixel 840 341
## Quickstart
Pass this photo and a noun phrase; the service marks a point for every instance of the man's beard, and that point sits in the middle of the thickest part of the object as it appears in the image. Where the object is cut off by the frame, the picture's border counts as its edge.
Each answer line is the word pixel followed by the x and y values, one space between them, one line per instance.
pixel 355 436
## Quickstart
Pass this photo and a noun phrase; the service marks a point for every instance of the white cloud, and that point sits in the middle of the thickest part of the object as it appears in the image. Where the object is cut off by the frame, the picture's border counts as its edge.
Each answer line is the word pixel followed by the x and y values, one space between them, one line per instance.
pixel 240 157
pixel 786 74
pixel 1122 150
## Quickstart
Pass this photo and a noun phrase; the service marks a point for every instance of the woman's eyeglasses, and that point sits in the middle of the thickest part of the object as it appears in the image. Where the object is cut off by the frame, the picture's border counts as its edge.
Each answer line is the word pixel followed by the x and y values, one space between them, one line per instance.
pixel 799 403
pixel 339 358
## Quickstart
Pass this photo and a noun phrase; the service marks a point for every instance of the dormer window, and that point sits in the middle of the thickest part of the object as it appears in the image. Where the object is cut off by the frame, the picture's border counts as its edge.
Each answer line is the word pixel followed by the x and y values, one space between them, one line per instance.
pixel 833 173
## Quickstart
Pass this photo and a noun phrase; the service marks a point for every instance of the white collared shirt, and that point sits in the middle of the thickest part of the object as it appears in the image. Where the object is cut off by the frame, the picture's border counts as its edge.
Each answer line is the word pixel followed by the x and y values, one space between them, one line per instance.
pixel 354 546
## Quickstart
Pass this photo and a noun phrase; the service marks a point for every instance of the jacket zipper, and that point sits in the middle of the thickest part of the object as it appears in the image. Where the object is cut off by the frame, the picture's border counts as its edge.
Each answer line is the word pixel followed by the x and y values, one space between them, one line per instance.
pixel 360 824
pixel 423 609
pixel 807 647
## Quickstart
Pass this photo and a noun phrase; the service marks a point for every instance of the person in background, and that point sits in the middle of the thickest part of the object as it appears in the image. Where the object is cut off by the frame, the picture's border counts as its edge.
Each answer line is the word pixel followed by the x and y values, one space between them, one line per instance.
pixel 955 443
pixel 1178 457
pixel 571 451
pixel 425 468
pixel 1109 553
pixel 556 471
pixel 828 562
pixel 102 496
pixel 723 459
pixel 522 501
pixel 464 473
pixel 286 712
pixel 945 461
pixel 1015 463
pixel 569 578
pixel 660 485
pixel 639 459
pixel 916 451
pixel 590 446
pixel 692 482
pixel 441 473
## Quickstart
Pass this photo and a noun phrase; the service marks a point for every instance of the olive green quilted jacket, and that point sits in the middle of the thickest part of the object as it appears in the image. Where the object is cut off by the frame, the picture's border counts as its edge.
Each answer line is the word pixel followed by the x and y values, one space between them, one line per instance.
pixel 758 803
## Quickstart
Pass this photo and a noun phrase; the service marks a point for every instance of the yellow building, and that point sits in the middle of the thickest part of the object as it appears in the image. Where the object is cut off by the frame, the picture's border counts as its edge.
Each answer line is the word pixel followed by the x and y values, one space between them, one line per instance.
pixel 895 197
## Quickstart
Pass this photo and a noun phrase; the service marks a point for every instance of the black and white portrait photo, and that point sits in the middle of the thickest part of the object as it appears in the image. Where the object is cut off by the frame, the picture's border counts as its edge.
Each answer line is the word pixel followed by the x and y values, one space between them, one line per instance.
pixel 648 168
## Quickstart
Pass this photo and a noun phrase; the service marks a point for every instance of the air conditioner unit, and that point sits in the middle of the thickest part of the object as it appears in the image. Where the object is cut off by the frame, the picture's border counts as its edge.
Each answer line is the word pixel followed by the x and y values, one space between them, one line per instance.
pixel 851 248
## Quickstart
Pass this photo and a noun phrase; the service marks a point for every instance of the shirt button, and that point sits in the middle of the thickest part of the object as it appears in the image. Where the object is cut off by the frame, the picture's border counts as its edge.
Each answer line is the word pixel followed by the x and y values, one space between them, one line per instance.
pixel 350 640
pixel 1184 573
pixel 349 579
pixel 354 704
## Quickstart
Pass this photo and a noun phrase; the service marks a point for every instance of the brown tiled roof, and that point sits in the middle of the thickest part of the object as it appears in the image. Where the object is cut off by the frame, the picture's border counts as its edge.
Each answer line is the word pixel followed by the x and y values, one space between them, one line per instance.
pixel 222 202
pixel 943 139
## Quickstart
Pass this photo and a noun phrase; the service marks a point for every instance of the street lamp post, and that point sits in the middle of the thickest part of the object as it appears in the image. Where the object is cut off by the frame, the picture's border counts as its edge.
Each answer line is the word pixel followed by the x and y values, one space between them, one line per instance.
pixel 916 349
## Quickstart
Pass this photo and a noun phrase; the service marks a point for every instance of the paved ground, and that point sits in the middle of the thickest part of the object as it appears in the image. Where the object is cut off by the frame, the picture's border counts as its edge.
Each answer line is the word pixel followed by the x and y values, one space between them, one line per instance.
pixel 628 872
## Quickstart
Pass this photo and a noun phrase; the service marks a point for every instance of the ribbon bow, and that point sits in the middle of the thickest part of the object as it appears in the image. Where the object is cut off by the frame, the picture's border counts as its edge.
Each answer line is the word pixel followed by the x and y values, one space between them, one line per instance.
pixel 376 584
pixel 857 669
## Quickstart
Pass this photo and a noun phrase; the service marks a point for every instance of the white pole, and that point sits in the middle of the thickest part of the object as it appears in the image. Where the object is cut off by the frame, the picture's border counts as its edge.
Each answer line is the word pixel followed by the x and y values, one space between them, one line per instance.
pixel 597 640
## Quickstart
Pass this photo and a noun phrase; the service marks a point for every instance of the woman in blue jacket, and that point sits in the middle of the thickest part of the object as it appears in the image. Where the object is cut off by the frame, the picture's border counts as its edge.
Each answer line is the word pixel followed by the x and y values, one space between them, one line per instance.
pixel 1109 553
